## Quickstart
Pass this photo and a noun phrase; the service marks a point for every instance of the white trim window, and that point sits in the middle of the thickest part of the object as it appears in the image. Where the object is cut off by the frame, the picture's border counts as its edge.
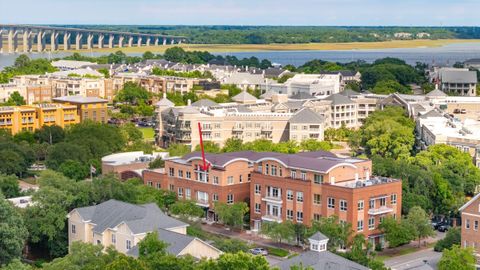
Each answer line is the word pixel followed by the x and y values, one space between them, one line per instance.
pixel 393 198
pixel 331 203
pixel 230 180
pixel 360 225
pixel 300 196
pixel 258 189
pixel 289 195
pixel 114 238
pixel 289 214
pixel 371 223
pixel 230 198
pixel 360 205
pixel 258 208
pixel 74 229
pixel 299 216
pixel 343 205
pixel 128 244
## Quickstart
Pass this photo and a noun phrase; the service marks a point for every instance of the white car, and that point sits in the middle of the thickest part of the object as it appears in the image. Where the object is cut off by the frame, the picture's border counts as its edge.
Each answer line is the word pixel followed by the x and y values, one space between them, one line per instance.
pixel 259 251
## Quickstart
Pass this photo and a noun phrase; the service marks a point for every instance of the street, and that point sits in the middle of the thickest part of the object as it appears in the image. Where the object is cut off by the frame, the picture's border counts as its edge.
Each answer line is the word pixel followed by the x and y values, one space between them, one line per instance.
pixel 416 259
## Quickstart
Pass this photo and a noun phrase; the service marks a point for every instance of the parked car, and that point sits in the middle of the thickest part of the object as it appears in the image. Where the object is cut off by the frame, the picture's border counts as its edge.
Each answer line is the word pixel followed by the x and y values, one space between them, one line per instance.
pixel 444 227
pixel 259 251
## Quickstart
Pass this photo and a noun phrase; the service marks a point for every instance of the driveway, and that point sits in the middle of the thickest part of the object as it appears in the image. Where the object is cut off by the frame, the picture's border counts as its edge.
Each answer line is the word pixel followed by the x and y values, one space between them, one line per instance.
pixel 415 259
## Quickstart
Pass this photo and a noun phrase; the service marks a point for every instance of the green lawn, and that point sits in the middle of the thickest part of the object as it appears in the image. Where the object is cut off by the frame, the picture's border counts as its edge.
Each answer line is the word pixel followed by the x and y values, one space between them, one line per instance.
pixel 148 133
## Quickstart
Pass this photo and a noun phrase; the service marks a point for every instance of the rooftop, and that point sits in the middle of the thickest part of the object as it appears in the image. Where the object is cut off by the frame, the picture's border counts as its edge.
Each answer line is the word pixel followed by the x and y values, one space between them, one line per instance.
pixel 80 99
pixel 131 157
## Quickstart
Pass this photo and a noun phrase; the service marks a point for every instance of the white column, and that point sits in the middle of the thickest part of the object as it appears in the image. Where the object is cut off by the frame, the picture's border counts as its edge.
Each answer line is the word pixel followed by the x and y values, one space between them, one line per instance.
pixel 110 41
pixel 78 41
pixel 120 41
pixel 101 37
pixel 130 41
pixel 12 40
pixel 27 43
pixel 53 41
pixel 164 41
pixel 40 41
pixel 139 42
pixel 156 41
pixel 66 41
pixel 89 41
pixel 172 41
pixel 147 42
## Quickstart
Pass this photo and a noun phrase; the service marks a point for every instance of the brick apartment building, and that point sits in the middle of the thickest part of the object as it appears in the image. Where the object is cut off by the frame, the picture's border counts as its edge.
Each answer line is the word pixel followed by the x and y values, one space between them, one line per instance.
pixel 300 187
pixel 470 214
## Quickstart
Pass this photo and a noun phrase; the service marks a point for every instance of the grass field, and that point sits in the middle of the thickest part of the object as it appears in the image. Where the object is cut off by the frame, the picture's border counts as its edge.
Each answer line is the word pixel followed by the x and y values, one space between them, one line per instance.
pixel 148 133
pixel 419 43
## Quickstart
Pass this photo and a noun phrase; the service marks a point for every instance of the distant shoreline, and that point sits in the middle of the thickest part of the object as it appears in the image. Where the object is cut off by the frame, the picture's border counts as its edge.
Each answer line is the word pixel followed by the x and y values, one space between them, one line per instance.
pixel 225 48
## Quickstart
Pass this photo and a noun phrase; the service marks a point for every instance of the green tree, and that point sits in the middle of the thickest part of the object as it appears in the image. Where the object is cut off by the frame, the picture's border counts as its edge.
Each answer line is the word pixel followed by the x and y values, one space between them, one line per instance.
pixel 133 94
pixel 12 162
pixel 49 134
pixel 231 245
pixel 396 233
pixel 187 209
pixel 420 224
pixel 453 237
pixel 338 233
pixel 16 264
pixel 16 99
pixel 148 55
pixel 232 214
pixel 13 232
pixel 74 169
pixel 390 86
pixel 279 232
pixel 178 149
pixel 235 261
pixel 232 145
pixel 151 246
pixel 315 145
pixel 209 147
pixel 24 136
pixel 156 163
pixel 9 186
pixel 457 258
pixel 61 152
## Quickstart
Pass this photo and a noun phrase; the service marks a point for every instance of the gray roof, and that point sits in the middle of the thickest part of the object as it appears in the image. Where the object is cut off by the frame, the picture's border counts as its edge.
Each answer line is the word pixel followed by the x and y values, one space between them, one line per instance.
pixel 302 95
pixel 458 76
pixel 324 260
pixel 338 99
pixel 306 115
pixel 204 103
pixel 176 242
pixel 268 94
pixel 244 96
pixel 80 99
pixel 436 93
pixel 319 161
pixel 273 72
pixel 139 218
pixel 165 102
pixel 189 110
pixel 432 113
pixel 349 92
pixel 318 236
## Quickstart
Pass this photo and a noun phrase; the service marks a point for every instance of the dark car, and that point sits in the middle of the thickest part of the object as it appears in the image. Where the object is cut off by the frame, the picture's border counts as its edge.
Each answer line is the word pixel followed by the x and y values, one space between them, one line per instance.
pixel 443 228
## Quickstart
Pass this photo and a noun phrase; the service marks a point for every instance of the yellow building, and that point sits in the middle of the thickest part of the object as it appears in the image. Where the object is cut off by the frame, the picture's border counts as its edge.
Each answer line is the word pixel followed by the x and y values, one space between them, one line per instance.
pixel 91 108
pixel 28 118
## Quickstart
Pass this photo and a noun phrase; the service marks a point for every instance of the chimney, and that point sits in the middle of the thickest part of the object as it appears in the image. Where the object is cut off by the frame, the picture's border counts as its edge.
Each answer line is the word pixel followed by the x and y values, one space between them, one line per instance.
pixel 164 94
pixel 189 102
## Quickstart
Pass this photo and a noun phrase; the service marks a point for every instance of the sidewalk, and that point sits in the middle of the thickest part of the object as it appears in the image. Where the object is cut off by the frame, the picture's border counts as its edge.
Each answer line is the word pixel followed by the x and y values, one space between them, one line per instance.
pixel 412 246
pixel 250 238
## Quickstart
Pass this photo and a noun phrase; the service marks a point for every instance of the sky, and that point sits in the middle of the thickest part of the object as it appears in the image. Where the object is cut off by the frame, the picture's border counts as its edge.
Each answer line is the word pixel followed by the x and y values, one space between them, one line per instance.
pixel 243 12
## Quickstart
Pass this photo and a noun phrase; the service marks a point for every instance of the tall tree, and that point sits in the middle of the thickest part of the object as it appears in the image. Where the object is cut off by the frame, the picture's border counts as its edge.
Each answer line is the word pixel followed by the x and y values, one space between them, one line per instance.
pixel 13 232
pixel 9 186
pixel 420 223
pixel 457 258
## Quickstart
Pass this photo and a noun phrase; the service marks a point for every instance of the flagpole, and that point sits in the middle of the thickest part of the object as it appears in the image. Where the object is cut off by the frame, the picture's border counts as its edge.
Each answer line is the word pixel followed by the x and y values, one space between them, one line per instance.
pixel 91 173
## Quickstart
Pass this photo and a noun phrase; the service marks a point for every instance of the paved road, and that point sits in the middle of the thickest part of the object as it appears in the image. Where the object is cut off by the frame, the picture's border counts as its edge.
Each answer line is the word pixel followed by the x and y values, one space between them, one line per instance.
pixel 414 259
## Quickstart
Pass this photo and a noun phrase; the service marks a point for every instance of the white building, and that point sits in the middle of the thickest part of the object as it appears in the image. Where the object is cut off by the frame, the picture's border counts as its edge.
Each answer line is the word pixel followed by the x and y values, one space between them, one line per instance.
pixel 313 84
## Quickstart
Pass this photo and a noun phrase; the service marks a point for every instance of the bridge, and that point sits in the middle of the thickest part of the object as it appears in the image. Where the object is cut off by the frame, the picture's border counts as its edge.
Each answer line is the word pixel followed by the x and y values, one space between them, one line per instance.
pixel 38 38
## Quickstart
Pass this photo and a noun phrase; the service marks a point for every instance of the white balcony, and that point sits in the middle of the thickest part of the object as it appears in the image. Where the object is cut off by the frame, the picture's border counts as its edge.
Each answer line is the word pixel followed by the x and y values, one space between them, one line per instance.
pixel 202 203
pixel 380 211
pixel 272 218
pixel 272 199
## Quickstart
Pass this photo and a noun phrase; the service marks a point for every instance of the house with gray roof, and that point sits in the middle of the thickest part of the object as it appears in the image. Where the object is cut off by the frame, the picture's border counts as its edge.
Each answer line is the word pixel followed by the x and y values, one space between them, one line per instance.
pixel 458 81
pixel 319 258
pixel 123 225
pixel 244 98
pixel 307 124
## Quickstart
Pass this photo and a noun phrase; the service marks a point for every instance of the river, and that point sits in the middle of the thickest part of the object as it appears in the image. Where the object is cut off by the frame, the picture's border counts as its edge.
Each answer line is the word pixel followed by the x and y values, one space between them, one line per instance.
pixel 448 54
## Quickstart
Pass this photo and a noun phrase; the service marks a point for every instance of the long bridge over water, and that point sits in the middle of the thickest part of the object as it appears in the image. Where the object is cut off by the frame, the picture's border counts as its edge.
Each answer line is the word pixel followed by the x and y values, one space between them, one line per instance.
pixel 38 38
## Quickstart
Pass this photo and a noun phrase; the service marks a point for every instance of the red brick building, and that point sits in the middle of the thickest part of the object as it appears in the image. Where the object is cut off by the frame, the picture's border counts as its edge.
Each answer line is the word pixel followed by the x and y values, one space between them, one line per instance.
pixel 470 224
pixel 300 187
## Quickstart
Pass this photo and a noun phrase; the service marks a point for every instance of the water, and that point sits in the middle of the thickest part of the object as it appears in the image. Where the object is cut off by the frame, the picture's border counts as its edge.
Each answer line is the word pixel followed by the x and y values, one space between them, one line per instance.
pixel 448 54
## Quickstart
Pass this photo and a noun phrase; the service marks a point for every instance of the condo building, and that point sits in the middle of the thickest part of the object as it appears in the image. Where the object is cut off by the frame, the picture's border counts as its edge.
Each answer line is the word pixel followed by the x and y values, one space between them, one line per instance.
pixel 88 108
pixel 299 187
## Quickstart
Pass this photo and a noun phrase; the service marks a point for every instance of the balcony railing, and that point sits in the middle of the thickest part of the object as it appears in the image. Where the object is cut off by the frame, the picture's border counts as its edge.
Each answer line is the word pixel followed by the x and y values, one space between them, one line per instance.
pixel 272 218
pixel 272 199
pixel 380 211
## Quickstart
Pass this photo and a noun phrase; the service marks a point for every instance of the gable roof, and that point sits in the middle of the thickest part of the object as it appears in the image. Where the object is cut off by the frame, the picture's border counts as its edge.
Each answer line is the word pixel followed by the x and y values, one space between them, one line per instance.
pixel 176 242
pixel 139 218
pixel 268 94
pixel 436 93
pixel 469 202
pixel 204 103
pixel 306 115
pixel 318 236
pixel 432 113
pixel 338 99
pixel 165 102
pixel 458 76
pixel 244 96
pixel 349 92
pixel 324 260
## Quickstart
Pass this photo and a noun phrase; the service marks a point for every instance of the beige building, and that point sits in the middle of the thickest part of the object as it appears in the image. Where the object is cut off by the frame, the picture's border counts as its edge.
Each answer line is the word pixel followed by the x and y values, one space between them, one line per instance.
pixel 123 225
pixel 242 120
